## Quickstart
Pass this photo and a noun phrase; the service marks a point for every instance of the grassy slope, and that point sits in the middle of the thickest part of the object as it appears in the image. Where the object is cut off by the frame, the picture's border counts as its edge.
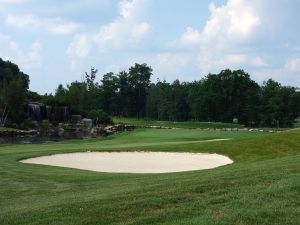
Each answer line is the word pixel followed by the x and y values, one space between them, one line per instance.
pixel 261 187
pixel 186 124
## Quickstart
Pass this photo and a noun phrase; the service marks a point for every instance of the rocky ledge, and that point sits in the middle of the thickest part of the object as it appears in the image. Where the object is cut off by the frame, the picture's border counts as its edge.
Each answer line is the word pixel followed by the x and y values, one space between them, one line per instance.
pixel 13 133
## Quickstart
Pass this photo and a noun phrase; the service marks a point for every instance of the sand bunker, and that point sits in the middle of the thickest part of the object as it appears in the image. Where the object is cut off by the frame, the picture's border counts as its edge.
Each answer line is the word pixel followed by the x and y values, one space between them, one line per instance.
pixel 133 162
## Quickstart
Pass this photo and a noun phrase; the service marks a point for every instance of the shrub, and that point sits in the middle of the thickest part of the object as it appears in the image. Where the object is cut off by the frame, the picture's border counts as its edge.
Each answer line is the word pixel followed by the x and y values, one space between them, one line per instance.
pixel 99 117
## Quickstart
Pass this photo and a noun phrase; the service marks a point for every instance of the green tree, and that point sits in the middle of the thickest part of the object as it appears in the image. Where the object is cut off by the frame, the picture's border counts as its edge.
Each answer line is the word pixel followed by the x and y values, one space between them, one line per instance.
pixel 90 78
pixel 124 91
pixel 99 117
pixel 77 97
pixel 109 93
pixel 224 96
pixel 13 88
pixel 280 104
pixel 61 95
pixel 139 81
pixel 180 108
pixel 159 101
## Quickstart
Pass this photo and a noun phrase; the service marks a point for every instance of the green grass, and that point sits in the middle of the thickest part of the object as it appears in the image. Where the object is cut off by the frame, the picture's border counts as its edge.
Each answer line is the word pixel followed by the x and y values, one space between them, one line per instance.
pixel 7 129
pixel 261 187
pixel 186 124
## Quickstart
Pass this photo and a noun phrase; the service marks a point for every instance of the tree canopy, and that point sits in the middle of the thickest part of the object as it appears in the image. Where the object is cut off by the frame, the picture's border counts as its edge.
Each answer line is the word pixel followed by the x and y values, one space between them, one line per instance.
pixel 228 96
pixel 13 89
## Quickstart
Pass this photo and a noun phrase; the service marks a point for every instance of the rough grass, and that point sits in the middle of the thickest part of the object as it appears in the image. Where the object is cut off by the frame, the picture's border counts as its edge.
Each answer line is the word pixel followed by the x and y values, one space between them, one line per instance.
pixel 186 124
pixel 261 187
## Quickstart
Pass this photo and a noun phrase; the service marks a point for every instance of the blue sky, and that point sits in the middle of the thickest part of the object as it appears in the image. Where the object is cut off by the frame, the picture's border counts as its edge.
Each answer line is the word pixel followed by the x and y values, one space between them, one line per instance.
pixel 57 41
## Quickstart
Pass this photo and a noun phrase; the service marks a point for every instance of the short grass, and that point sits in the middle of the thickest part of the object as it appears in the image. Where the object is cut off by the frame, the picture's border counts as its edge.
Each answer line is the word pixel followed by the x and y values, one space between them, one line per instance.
pixel 186 124
pixel 261 187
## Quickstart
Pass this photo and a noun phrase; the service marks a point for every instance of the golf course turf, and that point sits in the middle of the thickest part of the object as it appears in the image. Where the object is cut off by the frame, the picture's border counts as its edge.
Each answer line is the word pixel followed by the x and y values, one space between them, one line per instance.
pixel 262 186
pixel 184 124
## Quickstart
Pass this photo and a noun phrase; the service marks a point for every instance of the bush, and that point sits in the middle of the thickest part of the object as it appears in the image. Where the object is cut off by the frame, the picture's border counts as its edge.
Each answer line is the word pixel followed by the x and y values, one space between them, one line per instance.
pixel 99 117
pixel 26 124
pixel 45 124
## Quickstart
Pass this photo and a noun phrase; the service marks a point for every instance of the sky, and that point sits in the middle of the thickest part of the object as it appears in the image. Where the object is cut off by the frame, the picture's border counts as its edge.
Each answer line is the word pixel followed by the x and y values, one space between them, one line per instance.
pixel 57 41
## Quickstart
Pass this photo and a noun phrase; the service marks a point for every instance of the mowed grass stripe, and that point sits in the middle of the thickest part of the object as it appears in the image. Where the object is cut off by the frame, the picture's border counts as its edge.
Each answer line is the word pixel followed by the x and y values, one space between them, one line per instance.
pixel 261 187
pixel 184 124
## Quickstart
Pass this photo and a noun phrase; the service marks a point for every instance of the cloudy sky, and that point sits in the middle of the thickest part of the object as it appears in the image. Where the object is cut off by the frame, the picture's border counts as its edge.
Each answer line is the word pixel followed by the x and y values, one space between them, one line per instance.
pixel 57 41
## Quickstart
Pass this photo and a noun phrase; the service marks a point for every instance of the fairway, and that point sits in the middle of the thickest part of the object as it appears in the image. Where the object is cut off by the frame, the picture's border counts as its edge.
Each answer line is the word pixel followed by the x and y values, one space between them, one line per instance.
pixel 262 186
pixel 186 124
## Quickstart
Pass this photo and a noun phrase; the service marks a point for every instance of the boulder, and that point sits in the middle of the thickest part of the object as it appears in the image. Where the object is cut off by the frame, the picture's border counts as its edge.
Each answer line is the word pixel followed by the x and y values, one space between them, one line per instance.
pixel 76 119
pixel 87 123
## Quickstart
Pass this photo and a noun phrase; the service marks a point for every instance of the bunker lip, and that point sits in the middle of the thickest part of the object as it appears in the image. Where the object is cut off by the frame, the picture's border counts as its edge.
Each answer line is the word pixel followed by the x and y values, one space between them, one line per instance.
pixel 133 162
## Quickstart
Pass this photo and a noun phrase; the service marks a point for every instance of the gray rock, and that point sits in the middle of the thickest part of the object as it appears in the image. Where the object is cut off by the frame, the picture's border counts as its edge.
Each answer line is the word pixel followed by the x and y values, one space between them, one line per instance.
pixel 76 119
pixel 61 131
pixel 87 123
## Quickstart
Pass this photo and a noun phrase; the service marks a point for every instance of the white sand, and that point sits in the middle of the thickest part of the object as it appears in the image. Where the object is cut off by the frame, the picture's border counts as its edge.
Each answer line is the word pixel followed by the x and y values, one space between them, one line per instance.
pixel 133 162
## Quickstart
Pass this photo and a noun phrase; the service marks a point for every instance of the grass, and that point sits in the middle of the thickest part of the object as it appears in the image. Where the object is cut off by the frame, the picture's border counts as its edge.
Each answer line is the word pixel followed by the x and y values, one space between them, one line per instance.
pixel 7 129
pixel 261 187
pixel 186 124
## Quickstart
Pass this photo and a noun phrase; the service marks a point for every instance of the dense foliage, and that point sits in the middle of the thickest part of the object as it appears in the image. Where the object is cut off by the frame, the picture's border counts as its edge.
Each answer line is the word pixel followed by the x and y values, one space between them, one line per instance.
pixel 99 117
pixel 230 96
pixel 121 94
pixel 13 90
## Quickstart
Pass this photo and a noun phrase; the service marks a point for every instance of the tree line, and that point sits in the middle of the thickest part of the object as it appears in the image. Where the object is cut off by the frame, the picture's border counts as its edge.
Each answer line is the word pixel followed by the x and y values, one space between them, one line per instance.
pixel 229 96
pixel 13 90
pixel 122 94
pixel 225 97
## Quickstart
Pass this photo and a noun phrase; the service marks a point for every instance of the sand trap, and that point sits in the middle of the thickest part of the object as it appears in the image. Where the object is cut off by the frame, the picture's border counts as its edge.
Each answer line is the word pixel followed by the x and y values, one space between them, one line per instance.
pixel 133 162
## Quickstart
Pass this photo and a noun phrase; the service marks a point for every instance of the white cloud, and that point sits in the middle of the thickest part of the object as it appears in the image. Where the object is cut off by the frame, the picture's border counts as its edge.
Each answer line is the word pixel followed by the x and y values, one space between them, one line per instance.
pixel 280 75
pixel 265 74
pixel 229 27
pixel 243 59
pixel 166 66
pixel 235 20
pixel 293 65
pixel 32 59
pixel 126 31
pixel 258 62
pixel 235 59
pixel 78 49
pixel 208 62
pixel 27 59
pixel 12 1
pixel 4 37
pixel 228 24
pixel 56 26
pixel 170 62
pixel 132 9
pixel 190 37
